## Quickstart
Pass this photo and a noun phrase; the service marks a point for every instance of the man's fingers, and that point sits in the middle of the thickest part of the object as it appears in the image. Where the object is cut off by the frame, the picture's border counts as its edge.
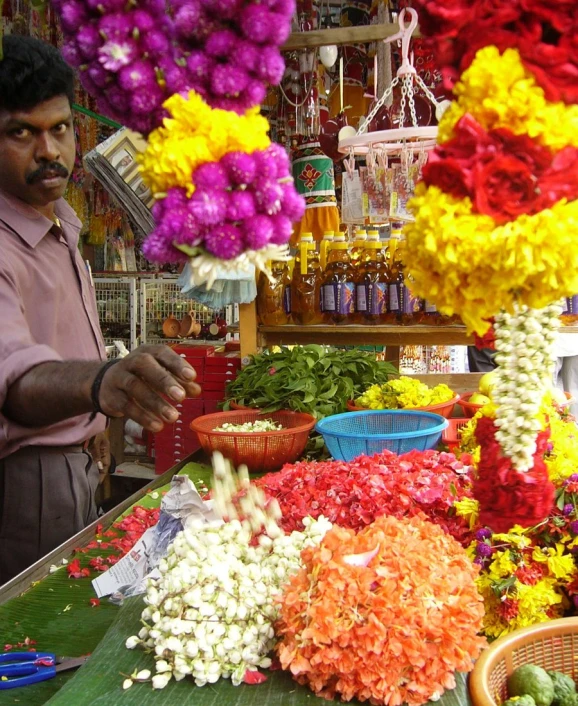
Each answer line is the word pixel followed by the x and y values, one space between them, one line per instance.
pixel 137 390
pixel 142 417
pixel 176 365
pixel 156 376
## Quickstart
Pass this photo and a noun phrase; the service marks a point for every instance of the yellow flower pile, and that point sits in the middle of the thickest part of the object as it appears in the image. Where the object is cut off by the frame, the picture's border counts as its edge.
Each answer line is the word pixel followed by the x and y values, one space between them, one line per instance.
pixel 194 135
pixel 469 266
pixel 403 393
pixel 498 91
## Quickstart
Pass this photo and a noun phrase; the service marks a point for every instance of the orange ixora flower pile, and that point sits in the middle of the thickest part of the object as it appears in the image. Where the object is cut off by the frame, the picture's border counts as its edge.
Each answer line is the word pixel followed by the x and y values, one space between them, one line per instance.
pixel 386 615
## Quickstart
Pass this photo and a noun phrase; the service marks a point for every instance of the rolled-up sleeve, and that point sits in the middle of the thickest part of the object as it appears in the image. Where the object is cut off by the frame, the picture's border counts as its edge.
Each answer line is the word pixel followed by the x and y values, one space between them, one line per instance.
pixel 19 352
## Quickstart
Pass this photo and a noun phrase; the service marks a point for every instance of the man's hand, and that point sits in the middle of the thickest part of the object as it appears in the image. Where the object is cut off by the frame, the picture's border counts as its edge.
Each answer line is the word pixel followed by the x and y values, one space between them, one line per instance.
pixel 143 385
pixel 99 449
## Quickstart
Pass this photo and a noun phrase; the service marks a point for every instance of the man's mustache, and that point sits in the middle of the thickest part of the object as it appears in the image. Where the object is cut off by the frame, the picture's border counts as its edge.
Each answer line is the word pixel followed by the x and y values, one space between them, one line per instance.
pixel 45 169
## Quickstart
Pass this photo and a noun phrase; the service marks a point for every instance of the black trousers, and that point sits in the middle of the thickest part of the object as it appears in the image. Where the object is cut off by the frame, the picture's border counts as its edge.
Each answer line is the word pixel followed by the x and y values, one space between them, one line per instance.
pixel 481 361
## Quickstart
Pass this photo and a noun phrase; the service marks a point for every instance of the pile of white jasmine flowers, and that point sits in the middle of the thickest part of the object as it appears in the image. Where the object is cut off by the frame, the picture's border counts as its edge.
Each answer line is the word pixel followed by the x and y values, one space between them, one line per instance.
pixel 525 358
pixel 258 425
pixel 211 612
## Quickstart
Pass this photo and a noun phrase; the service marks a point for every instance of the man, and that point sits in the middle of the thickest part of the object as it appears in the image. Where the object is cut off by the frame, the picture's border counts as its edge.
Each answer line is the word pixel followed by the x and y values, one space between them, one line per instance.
pixel 55 388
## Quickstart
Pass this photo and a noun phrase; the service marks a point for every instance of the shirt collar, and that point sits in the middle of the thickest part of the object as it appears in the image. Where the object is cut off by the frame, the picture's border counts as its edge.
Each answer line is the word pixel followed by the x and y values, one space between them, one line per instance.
pixel 30 225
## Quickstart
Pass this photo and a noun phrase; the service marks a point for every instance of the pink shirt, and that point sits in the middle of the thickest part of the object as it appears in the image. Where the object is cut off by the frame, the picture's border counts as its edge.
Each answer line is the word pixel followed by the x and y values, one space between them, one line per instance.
pixel 47 312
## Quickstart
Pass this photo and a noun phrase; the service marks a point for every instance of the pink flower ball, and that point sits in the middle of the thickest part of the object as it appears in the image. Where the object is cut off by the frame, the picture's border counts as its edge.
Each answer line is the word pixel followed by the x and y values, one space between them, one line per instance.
pixel 255 24
pixel 225 241
pixel 272 66
pixel 99 76
pixel 190 233
pixel 72 54
pixel 223 9
pixel 118 98
pixel 292 205
pixel 277 154
pixel 247 56
pixel 117 26
pixel 228 81
pixel 157 8
pixel 158 210
pixel 141 123
pixel 88 41
pixel 240 167
pixel 257 232
pixel 72 16
pixel 282 230
pixel 254 94
pixel 136 76
pixel 187 19
pixel 106 7
pixel 279 29
pixel 199 65
pixel 221 43
pixel 266 166
pixel 208 206
pixel 175 198
pixel 241 206
pixel 268 197
pixel 155 43
pixel 211 175
pixel 104 107
pixel 157 249
pixel 286 8
pixel 143 21
pixel 147 99
pixel 175 78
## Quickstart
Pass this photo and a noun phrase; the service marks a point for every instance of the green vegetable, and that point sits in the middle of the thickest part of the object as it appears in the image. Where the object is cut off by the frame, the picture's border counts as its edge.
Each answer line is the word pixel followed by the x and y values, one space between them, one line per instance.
pixel 569 700
pixel 534 681
pixel 563 686
pixel 525 700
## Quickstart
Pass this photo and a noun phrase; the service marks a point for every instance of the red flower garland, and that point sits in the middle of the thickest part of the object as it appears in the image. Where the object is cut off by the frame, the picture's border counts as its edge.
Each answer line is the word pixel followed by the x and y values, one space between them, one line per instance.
pixel 508 497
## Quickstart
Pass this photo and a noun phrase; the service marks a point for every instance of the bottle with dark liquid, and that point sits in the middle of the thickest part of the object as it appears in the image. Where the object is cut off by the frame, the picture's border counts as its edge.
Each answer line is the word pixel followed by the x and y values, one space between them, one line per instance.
pixel 371 282
pixel 338 288
pixel 394 279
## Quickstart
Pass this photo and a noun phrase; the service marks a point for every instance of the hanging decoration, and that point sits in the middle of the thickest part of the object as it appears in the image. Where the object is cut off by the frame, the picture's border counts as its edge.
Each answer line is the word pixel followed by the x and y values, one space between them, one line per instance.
pixel 192 81
pixel 496 218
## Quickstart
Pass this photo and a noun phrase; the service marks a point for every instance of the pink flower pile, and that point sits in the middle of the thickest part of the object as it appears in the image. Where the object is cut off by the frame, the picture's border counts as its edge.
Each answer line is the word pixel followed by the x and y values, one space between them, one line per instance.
pixel 243 202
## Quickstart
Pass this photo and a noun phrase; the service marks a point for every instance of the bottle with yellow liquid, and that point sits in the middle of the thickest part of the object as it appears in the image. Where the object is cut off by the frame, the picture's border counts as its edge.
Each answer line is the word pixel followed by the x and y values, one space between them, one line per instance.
pixel 394 269
pixel 371 283
pixel 271 305
pixel 306 283
pixel 328 238
pixel 338 287
pixel 359 240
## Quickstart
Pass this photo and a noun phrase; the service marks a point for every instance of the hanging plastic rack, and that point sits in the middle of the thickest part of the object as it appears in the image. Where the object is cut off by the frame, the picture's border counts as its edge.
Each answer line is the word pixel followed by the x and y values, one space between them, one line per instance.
pixel 411 139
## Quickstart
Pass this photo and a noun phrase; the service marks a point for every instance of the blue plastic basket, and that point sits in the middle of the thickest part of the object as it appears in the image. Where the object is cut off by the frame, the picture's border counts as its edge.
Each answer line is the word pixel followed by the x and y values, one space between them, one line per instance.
pixel 354 433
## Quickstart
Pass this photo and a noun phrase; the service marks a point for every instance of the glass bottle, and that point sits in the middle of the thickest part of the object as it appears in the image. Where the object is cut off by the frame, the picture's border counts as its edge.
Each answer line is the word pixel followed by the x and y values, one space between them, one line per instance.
pixel 431 315
pixel 371 283
pixel 394 279
pixel 359 240
pixel 306 283
pixel 271 296
pixel 569 314
pixel 338 284
pixel 328 238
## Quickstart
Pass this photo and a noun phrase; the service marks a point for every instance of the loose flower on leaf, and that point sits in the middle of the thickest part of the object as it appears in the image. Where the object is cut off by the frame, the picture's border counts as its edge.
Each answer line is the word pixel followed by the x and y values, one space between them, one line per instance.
pixel 75 571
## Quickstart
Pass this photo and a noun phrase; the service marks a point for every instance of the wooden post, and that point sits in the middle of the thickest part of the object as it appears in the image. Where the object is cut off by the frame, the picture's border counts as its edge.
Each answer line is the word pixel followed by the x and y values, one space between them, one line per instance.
pixel 248 330
pixel 366 34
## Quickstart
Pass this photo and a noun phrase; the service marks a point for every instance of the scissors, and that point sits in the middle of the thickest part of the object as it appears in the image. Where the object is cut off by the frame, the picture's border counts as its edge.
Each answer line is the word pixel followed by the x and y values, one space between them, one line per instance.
pixel 22 668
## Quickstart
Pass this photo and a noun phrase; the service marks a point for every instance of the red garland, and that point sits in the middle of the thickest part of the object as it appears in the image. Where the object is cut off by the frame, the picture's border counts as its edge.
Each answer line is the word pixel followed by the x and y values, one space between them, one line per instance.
pixel 488 340
pixel 508 497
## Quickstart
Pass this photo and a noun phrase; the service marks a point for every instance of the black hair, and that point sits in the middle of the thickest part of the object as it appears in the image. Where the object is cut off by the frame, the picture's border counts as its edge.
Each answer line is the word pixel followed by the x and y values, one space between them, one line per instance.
pixel 32 72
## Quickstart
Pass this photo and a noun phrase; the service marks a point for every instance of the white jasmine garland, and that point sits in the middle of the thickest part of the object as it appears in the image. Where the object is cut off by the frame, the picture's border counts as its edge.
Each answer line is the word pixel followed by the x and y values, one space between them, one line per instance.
pixel 525 358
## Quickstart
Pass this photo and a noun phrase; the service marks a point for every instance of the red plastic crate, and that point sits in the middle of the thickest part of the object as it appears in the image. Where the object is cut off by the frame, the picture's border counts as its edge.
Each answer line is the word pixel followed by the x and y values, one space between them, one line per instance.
pixel 214 394
pixel 451 435
pixel 212 406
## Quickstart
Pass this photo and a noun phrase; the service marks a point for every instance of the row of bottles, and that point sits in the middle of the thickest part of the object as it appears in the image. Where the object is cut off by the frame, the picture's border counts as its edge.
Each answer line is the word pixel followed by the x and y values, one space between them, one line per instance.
pixel 344 283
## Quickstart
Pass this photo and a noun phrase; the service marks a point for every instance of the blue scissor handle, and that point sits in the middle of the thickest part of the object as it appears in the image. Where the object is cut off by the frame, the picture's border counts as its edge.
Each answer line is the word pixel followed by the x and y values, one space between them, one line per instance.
pixel 18 668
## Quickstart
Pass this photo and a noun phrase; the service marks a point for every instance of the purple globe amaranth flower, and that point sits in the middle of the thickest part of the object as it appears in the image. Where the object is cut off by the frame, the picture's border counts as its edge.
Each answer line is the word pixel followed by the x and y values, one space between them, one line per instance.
pixel 208 206
pixel 157 8
pixel 266 167
pixel 106 7
pixel 225 241
pixel 279 29
pixel 257 232
pixel 241 167
pixel 187 19
pixel 292 204
pixel 484 550
pixel 241 206
pixel 89 42
pixel 155 43
pixel 268 196
pixel 72 16
pixel 571 479
pixel 199 64
pixel 233 105
pixel 115 27
pixel 157 249
pixel 190 232
pixel 158 210
pixel 483 533
pixel 255 22
pixel 71 53
pixel 568 509
pixel 137 76
pixel 272 66
pixel 98 75
pixel 224 9
pixel 282 230
pixel 574 527
pixel 253 95
pixel 172 222
pixel 147 99
pixel 104 107
pixel 211 175
pixel 142 123
pixel 480 561
pixel 116 54
pixel 282 7
pixel 175 198
pixel 143 21
pixel 176 79
pixel 278 155
pixel 221 43
pixel 228 80
pixel 246 55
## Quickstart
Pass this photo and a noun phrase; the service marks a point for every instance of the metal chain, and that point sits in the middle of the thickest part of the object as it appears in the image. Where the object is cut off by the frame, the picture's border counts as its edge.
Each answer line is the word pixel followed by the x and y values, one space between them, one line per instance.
pixel 380 103
pixel 403 101
pixel 426 90
pixel 297 105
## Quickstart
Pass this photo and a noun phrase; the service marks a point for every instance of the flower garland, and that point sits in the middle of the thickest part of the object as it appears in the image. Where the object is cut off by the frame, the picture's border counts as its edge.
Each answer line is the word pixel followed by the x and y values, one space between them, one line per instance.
pixel 387 615
pixel 190 78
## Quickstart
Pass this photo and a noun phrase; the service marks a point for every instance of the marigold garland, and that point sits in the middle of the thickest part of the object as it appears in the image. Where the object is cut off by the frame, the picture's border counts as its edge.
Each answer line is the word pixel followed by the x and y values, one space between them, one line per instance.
pixel 387 615
pixel 498 91
pixel 457 257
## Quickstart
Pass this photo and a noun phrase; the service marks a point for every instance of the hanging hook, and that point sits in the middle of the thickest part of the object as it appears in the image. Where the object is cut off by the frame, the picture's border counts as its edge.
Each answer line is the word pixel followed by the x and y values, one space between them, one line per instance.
pixel 405 33
pixel 349 163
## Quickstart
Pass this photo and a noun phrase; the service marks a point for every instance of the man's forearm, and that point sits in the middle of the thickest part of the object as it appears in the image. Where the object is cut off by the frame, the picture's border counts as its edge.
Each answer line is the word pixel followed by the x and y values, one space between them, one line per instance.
pixel 51 392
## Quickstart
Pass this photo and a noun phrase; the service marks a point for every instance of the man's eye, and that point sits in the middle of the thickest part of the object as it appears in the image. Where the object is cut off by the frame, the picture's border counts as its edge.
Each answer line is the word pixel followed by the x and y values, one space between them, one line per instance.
pixel 20 133
pixel 61 129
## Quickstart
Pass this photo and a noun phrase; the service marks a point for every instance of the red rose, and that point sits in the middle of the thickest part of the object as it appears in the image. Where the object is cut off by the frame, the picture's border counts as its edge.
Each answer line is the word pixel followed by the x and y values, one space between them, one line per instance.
pixel 557 13
pixel 449 175
pixel 505 188
pixel 443 18
pixel 561 179
pixel 560 83
pixel 524 148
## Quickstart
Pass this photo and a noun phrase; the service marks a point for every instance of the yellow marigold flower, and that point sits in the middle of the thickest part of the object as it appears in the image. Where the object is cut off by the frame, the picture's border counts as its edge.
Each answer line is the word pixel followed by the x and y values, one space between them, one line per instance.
pixel 193 135
pixel 502 566
pixel 498 91
pixel 469 509
pixel 455 257
pixel 560 564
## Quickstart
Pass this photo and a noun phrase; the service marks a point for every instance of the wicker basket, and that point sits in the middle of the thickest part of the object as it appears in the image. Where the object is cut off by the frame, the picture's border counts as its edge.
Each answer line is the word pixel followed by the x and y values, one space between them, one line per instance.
pixel 444 409
pixel 263 451
pixel 551 645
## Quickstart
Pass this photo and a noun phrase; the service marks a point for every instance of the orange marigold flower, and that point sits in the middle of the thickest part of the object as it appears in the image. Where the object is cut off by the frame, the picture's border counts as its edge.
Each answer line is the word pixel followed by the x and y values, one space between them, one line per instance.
pixel 391 627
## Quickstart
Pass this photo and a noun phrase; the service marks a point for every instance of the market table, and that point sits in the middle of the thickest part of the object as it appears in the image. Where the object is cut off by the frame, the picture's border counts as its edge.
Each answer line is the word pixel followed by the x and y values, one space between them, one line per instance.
pixel 55 611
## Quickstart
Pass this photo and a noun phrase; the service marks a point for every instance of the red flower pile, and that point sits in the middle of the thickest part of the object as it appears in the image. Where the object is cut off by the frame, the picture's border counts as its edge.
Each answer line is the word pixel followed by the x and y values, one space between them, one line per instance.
pixel 503 174
pixel 516 498
pixel 545 34
pixel 354 494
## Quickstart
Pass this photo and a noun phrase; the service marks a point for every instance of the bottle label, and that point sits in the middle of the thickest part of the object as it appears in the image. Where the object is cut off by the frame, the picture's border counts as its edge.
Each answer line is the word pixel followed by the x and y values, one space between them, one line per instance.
pixel 571 305
pixel 329 298
pixel 361 298
pixel 287 299
pixel 409 304
pixel 430 308
pixel 377 298
pixel 394 298
pixel 345 298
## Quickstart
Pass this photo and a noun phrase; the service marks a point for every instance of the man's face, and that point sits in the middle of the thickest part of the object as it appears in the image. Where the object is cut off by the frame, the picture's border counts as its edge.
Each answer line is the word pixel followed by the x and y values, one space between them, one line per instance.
pixel 37 152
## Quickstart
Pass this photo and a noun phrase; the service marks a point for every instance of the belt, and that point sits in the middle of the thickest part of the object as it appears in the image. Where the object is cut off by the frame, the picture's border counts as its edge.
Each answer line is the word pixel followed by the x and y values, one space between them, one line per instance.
pixel 73 448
